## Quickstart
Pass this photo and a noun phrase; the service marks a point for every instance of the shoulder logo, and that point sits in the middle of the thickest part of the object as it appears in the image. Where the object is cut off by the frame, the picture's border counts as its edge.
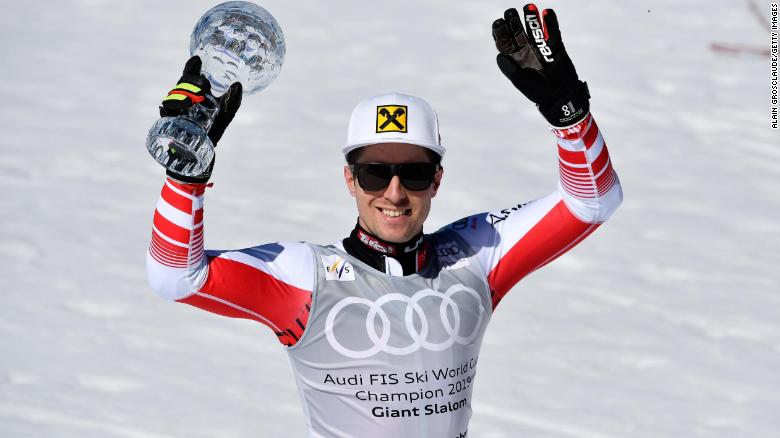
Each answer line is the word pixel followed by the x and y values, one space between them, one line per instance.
pixel 391 118
pixel 336 268
pixel 451 256
pixel 466 222
pixel 495 217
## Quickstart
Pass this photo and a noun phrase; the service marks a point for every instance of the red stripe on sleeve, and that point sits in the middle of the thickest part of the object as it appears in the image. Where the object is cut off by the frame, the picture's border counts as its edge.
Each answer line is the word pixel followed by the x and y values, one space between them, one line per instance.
pixel 557 232
pixel 166 255
pixel 606 181
pixel 574 171
pixel 577 183
pixel 178 201
pixel 578 178
pixel 238 290
pixel 192 189
pixel 573 157
pixel 600 161
pixel 575 132
pixel 586 186
pixel 590 135
pixel 165 246
pixel 169 262
pixel 170 229
pixel 197 237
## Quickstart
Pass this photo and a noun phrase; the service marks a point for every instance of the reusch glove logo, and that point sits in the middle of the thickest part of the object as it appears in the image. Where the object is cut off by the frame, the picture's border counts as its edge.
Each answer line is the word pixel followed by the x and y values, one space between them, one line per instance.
pixel 538 34
pixel 391 118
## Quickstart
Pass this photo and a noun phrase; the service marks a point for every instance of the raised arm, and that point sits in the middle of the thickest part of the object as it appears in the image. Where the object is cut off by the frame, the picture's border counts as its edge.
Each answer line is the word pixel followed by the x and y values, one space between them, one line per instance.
pixel 271 284
pixel 513 242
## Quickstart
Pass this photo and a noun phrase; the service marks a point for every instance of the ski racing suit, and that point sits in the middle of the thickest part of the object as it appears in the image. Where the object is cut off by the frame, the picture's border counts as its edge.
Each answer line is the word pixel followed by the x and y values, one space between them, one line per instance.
pixel 377 353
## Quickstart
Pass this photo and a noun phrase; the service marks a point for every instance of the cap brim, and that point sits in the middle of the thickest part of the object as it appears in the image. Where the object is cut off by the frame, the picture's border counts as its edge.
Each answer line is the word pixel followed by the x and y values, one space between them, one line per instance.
pixel 352 146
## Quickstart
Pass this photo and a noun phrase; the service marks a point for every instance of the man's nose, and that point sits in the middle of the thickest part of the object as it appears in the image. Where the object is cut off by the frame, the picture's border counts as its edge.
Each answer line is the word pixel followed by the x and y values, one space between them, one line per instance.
pixel 395 192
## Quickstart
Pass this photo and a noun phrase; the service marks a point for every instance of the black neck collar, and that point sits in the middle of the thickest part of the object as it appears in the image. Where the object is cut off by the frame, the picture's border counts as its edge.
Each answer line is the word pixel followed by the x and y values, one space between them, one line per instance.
pixel 412 254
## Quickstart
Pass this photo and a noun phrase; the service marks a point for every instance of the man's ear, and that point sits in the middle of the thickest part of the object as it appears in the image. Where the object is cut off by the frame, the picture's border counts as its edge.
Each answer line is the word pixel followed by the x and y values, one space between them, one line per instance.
pixel 350 180
pixel 437 180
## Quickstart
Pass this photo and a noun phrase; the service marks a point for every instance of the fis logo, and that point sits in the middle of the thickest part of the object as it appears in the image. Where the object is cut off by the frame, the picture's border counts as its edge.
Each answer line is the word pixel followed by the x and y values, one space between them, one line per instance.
pixel 391 118
pixel 336 268
pixel 538 34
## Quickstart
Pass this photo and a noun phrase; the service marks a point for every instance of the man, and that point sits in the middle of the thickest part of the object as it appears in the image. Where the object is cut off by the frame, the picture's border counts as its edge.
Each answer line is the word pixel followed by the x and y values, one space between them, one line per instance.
pixel 383 328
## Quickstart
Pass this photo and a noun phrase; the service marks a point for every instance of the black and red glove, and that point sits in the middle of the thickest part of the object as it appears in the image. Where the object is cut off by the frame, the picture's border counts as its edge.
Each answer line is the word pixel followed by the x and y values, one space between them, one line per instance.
pixel 192 89
pixel 533 57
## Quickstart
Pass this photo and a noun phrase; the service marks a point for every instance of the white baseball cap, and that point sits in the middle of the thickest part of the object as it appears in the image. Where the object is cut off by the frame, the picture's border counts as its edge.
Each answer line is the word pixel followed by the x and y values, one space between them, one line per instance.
pixel 393 118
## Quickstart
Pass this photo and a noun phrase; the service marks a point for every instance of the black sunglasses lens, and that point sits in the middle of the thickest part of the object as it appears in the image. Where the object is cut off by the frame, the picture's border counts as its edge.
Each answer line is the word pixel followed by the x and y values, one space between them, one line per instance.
pixel 417 176
pixel 377 176
pixel 373 177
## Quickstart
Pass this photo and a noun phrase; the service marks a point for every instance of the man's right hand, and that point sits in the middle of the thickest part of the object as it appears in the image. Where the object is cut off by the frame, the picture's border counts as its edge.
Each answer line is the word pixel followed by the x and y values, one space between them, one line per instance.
pixel 190 90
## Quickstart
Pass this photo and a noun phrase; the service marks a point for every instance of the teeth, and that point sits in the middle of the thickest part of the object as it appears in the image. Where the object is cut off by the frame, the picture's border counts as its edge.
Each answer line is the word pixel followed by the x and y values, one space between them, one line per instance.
pixel 392 213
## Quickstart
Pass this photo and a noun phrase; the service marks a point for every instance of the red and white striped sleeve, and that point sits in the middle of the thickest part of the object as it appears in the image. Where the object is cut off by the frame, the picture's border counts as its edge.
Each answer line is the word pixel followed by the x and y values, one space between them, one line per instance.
pixel 588 183
pixel 513 242
pixel 271 284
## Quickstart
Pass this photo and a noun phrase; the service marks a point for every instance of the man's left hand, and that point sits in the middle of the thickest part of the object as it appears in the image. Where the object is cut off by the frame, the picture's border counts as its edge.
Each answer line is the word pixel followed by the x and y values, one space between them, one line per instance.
pixel 533 57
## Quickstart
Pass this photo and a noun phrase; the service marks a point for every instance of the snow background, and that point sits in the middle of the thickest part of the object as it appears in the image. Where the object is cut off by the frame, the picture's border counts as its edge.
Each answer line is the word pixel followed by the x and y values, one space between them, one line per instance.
pixel 665 323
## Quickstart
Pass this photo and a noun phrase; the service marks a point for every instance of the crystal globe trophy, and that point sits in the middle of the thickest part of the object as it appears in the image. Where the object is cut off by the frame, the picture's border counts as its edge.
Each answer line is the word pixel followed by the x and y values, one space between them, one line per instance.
pixel 237 41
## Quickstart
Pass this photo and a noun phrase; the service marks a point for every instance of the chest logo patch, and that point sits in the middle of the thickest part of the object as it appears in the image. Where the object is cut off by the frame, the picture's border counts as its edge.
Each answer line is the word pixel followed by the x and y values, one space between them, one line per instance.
pixel 428 319
pixel 391 118
pixel 336 268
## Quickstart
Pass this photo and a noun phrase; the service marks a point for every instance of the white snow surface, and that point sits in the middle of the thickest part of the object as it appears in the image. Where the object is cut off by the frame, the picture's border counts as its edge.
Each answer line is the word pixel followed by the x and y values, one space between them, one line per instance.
pixel 664 323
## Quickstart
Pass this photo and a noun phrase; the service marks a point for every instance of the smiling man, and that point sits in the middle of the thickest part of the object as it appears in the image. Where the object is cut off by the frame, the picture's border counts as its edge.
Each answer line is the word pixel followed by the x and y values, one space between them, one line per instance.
pixel 383 328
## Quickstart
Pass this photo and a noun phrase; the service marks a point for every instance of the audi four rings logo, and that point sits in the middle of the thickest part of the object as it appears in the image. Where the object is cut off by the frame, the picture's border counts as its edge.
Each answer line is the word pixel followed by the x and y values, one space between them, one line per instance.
pixel 446 251
pixel 380 341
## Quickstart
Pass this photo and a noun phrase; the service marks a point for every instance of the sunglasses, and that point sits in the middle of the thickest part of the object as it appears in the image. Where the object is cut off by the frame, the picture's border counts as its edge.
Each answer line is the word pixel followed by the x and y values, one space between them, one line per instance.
pixel 373 177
